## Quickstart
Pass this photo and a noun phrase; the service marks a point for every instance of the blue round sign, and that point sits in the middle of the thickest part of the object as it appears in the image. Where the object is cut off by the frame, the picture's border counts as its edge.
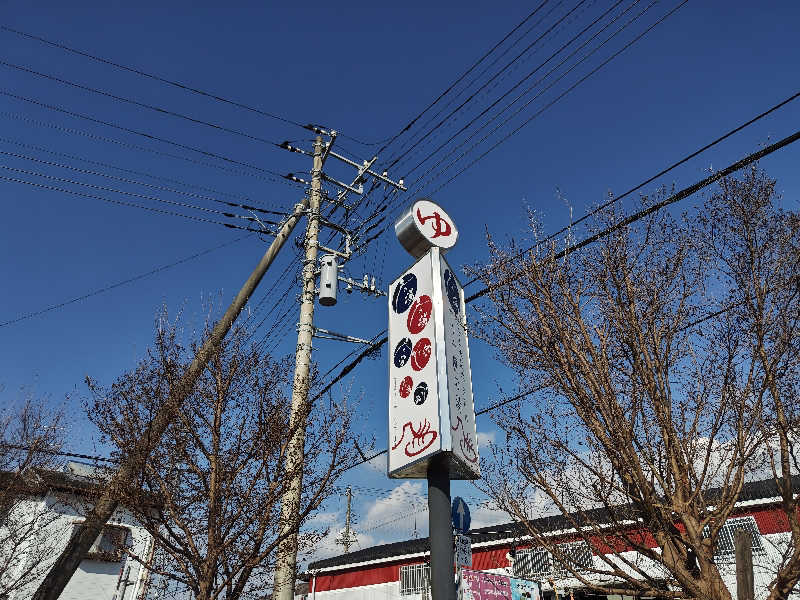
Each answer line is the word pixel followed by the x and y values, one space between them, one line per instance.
pixel 460 514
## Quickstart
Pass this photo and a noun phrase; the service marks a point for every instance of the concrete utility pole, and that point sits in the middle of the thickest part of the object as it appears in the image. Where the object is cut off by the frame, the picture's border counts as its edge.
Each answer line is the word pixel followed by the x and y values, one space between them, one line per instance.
pixel 346 541
pixel 286 560
pixel 67 563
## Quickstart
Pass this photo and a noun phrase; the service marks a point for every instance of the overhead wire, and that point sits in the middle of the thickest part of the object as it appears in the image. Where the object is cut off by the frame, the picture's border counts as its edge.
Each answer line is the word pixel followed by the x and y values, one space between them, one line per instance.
pixel 158 78
pixel 98 163
pixel 124 203
pixel 229 215
pixel 486 94
pixel 144 134
pixel 133 102
pixel 54 452
pixel 552 102
pixel 413 138
pixel 277 178
pixel 459 79
pixel 651 179
pixel 151 186
pixel 449 115
pixel 112 286
pixel 550 85
pixel 524 79
pixel 443 171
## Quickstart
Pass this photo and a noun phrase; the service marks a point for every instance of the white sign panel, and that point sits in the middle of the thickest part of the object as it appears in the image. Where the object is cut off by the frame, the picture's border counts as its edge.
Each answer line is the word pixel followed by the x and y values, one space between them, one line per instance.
pixel 414 423
pixel 462 552
pixel 430 390
pixel 459 375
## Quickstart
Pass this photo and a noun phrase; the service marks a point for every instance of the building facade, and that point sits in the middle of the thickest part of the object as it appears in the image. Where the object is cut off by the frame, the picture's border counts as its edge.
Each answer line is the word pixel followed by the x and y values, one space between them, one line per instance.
pixel 35 530
pixel 398 571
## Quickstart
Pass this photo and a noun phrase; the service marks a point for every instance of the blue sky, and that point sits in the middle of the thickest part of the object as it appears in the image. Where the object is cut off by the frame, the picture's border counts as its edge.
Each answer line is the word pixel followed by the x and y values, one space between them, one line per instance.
pixel 365 69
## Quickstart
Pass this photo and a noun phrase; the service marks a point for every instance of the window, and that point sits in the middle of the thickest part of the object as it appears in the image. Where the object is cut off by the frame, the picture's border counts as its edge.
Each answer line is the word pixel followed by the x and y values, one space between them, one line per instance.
pixel 726 541
pixel 532 563
pixel 576 556
pixel 414 578
pixel 109 545
pixel 537 563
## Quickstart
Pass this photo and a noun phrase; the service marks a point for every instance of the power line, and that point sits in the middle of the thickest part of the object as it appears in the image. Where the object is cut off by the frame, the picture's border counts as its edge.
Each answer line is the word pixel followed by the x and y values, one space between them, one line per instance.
pixel 150 175
pixel 124 203
pixel 139 133
pixel 131 146
pixel 654 177
pixel 152 107
pixel 134 194
pixel 684 193
pixel 177 84
pixel 535 97
pixel 113 286
pixel 460 78
pixel 158 78
pixel 53 452
pixel 524 79
pixel 483 72
pixel 151 186
pixel 551 103
pixel 508 65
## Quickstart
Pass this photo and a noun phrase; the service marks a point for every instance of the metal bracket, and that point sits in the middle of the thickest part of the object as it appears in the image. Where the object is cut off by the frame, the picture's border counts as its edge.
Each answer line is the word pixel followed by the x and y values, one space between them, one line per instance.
pixel 366 286
pixel 382 176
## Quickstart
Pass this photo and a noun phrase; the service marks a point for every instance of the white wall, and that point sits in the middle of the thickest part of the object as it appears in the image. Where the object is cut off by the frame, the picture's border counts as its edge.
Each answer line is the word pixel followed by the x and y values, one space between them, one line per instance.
pixel 94 580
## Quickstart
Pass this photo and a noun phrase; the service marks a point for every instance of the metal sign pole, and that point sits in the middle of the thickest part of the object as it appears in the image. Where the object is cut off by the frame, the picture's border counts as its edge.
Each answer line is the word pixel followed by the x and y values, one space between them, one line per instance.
pixel 440 529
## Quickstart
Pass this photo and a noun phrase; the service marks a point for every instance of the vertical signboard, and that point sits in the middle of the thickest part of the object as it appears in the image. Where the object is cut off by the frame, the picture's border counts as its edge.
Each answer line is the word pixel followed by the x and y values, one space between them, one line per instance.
pixel 430 383
pixel 414 423
pixel 459 376
pixel 431 408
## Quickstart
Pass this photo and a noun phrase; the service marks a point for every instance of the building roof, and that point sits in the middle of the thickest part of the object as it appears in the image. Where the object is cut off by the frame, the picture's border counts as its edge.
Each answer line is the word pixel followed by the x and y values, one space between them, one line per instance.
pixel 86 482
pixel 753 491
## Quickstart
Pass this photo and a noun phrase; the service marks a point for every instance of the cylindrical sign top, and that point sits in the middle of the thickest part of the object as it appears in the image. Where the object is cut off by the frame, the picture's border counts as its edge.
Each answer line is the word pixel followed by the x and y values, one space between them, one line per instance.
pixel 423 225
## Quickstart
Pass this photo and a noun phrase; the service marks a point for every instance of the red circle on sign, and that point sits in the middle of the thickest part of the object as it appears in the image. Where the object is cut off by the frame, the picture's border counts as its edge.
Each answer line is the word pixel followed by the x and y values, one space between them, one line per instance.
pixel 405 386
pixel 420 314
pixel 421 354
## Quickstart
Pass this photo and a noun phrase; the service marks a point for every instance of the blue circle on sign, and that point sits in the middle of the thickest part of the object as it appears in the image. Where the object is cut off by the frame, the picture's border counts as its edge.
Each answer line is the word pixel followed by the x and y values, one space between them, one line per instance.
pixel 451 287
pixel 402 353
pixel 404 293
pixel 461 516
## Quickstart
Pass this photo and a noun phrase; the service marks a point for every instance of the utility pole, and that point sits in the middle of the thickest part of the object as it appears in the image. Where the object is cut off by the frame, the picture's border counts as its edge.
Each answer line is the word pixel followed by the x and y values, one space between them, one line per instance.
pixel 347 522
pixel 67 563
pixel 286 560
pixel 346 539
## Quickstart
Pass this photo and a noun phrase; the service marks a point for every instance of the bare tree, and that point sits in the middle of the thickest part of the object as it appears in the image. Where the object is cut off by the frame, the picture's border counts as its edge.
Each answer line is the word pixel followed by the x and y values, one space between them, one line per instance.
pixel 665 356
pixel 30 439
pixel 218 474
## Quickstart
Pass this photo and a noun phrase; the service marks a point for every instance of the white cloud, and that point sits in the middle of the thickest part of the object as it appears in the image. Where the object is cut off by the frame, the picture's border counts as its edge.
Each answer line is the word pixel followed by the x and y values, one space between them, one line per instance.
pixel 485 438
pixel 404 497
pixel 486 514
